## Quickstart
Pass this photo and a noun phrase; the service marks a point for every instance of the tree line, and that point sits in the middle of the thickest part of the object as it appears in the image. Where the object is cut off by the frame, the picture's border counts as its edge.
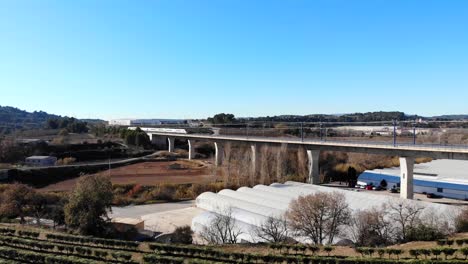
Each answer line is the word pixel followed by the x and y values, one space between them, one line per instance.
pixel 70 124
pixel 84 210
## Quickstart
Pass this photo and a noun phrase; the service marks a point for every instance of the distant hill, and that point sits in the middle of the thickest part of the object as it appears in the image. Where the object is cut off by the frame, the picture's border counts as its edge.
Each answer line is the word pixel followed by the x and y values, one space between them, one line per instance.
pixel 451 117
pixel 12 118
pixel 354 117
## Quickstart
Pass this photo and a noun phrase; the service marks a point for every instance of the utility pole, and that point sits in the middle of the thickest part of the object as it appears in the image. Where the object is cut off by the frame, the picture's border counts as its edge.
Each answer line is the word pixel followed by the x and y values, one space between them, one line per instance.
pixel 247 131
pixel 394 132
pixel 321 134
pixel 414 133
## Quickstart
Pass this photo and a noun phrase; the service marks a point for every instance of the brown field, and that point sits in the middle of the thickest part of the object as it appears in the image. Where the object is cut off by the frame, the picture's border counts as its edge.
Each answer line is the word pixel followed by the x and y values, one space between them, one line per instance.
pixel 151 173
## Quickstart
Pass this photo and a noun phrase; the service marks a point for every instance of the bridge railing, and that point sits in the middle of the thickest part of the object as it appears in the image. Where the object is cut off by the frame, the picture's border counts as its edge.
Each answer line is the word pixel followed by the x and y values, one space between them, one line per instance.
pixel 450 134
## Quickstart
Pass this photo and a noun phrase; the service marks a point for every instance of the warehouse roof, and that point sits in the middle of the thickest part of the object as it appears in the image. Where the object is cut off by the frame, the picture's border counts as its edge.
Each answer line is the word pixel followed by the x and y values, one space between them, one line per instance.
pixel 40 157
pixel 369 175
pixel 449 174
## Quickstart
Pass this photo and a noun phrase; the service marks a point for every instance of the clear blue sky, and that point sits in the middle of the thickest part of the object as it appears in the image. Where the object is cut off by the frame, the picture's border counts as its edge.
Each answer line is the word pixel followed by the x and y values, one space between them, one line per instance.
pixel 192 59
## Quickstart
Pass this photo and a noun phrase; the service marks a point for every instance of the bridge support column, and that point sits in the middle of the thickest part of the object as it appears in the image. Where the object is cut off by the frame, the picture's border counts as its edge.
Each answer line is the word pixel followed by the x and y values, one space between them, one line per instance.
pixel 279 161
pixel 191 149
pixel 314 173
pixel 406 177
pixel 219 153
pixel 255 155
pixel 170 144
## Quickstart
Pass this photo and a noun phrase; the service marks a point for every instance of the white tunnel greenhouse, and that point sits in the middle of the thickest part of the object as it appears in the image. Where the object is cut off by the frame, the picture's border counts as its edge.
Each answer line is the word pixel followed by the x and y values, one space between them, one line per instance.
pixel 251 207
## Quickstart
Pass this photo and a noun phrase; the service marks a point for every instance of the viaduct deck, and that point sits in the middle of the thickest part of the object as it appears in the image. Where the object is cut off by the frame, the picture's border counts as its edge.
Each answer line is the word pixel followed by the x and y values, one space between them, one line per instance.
pixel 459 152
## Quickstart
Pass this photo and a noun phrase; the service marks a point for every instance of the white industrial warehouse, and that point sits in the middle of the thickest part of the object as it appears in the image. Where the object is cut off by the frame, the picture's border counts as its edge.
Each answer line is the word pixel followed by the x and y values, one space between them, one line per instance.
pixel 445 178
pixel 252 206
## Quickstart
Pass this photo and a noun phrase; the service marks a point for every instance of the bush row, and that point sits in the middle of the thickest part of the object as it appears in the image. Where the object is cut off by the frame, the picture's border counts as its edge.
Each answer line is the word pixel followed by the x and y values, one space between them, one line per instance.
pixel 28 234
pixel 113 243
pixel 149 258
pixel 7 231
pixel 449 242
pixel 12 232
pixel 314 249
pixel 32 257
pixel 209 253
pixel 447 251
pixel 380 251
pixel 65 249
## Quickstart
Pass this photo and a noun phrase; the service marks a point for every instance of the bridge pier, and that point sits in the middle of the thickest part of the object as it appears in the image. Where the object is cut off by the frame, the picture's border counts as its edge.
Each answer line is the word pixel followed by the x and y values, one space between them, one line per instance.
pixel 406 177
pixel 158 141
pixel 219 153
pixel 191 150
pixel 255 155
pixel 279 161
pixel 314 173
pixel 170 144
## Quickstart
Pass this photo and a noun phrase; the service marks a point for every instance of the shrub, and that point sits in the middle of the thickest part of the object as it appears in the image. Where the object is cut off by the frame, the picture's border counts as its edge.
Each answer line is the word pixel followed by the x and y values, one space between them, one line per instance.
pixel 442 242
pixel 422 232
pixel 182 192
pixel 461 221
pixel 414 253
pixel 436 252
pixel 302 248
pixel 361 251
pixel 195 190
pixel 161 259
pixel 163 192
pixel 182 235
pixel 464 251
pixel 313 248
pixel 28 234
pixel 109 243
pixel 137 188
pixel 448 251
pixel 426 252
pixel 328 249
pixel 121 256
pixel 7 231
pixel 381 252
pixel 394 251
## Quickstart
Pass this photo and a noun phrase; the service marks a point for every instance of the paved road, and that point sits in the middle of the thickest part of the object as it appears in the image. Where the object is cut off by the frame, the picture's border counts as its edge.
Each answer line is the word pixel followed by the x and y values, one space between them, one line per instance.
pixel 97 163
pixel 136 211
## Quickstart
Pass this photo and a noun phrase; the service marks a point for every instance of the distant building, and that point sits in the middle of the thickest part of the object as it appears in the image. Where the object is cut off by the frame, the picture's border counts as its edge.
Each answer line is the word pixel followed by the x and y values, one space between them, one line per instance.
pixel 27 141
pixel 40 161
pixel 146 122
pixel 127 224
pixel 446 178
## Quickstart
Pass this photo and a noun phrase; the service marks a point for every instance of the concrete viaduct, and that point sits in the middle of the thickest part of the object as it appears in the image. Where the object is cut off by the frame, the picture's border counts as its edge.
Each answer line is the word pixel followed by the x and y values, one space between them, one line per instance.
pixel 406 152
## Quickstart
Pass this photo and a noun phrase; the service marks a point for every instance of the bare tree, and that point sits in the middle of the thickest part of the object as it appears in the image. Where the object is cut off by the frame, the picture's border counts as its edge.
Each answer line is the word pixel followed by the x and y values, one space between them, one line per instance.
pixel 222 229
pixel 405 216
pixel 432 225
pixel 372 228
pixel 274 229
pixel 461 220
pixel 319 216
